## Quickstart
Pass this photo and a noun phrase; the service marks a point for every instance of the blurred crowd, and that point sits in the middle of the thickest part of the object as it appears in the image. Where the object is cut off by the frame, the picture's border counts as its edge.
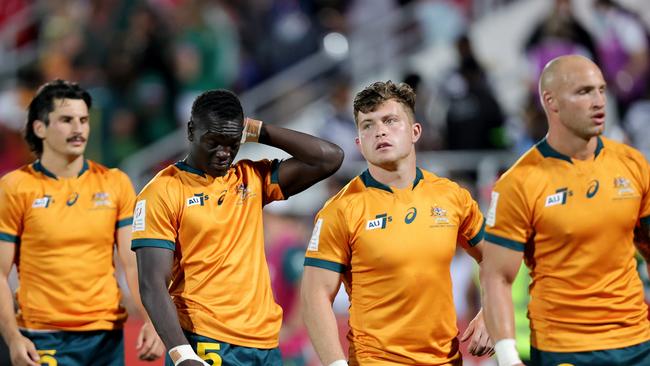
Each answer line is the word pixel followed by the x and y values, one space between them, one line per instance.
pixel 145 61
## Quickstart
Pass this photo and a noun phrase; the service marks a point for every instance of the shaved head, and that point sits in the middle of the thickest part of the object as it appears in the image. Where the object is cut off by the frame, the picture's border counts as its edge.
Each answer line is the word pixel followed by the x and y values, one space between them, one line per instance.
pixel 559 70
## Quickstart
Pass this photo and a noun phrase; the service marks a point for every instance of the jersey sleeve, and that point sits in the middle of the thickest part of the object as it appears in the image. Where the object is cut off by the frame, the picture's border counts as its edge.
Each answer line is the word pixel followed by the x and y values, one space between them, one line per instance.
pixel 472 224
pixel 508 219
pixel 11 214
pixel 126 201
pixel 329 246
pixel 268 170
pixel 155 222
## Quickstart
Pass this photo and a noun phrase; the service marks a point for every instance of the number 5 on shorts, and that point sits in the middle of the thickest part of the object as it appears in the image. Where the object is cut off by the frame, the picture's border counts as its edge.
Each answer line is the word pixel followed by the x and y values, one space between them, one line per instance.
pixel 208 352
pixel 47 357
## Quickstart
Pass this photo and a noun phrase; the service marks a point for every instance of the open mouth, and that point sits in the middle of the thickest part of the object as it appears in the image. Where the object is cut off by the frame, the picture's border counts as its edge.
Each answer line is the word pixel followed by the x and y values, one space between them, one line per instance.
pixel 599 117
pixel 382 145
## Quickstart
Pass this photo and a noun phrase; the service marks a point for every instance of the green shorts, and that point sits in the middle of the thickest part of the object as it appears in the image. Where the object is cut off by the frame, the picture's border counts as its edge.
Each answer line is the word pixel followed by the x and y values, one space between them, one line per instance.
pixel 217 353
pixel 65 348
pixel 627 356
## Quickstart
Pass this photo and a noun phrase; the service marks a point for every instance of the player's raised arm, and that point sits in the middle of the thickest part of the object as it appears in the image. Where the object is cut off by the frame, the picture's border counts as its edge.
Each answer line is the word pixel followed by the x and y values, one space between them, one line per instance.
pixel 498 271
pixel 319 287
pixel 313 159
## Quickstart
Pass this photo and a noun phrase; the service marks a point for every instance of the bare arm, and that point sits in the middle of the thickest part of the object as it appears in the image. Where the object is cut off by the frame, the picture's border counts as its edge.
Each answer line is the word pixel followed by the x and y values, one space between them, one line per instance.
pixel 313 159
pixel 22 349
pixel 476 251
pixel 148 345
pixel 642 242
pixel 154 272
pixel 319 287
pixel 498 271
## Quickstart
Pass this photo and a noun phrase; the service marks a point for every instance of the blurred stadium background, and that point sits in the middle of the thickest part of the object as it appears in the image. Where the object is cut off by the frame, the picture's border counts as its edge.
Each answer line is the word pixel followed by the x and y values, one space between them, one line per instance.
pixel 298 63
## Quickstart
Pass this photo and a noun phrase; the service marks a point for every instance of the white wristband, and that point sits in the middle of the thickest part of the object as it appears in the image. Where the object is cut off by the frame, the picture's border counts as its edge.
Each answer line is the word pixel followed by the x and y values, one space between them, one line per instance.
pixel 506 352
pixel 182 353
pixel 339 363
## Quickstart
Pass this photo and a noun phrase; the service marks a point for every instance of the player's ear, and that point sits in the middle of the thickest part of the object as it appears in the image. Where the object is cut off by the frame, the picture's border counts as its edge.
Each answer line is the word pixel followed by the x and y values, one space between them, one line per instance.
pixel 190 130
pixel 417 131
pixel 39 128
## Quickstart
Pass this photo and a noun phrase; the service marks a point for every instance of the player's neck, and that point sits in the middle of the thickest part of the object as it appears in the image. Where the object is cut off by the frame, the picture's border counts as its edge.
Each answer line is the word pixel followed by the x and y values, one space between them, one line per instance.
pixel 62 166
pixel 573 146
pixel 400 176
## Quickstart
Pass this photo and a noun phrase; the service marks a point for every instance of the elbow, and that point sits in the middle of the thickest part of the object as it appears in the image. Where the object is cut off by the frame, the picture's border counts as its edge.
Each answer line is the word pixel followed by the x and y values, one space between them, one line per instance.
pixel 332 158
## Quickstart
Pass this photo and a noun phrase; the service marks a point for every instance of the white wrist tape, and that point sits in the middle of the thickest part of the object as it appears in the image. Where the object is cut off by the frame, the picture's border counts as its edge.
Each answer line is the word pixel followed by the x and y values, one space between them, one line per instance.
pixel 506 352
pixel 339 363
pixel 184 352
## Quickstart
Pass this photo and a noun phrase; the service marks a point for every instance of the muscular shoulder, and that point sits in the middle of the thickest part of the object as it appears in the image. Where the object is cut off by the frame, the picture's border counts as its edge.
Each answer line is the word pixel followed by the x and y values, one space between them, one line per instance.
pixel 529 168
pixel 626 153
pixel 346 197
pixel 165 181
pixel 17 179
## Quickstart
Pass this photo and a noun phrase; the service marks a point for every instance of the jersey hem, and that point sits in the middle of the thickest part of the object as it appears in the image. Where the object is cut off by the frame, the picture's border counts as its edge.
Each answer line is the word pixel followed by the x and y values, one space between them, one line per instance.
pixel 507 243
pixel 479 236
pixel 325 264
pixel 152 243
pixel 9 238
pixel 124 222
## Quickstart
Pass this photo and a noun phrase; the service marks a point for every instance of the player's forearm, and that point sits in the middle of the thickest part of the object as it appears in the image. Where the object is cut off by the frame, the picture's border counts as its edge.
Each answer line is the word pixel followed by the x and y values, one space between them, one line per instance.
pixel 131 273
pixel 8 326
pixel 322 328
pixel 308 149
pixel 497 305
pixel 162 312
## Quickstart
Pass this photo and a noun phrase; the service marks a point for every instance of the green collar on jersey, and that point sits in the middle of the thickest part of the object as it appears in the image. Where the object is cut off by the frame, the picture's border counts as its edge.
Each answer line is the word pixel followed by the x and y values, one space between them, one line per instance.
pixel 183 166
pixel 38 166
pixel 548 152
pixel 369 181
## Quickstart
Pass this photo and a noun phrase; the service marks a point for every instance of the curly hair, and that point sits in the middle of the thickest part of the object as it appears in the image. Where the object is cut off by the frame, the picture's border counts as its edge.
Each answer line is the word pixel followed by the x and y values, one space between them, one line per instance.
pixel 374 95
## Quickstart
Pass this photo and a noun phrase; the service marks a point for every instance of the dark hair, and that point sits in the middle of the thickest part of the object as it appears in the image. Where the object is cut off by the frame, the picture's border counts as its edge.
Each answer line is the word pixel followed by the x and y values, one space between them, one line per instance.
pixel 370 98
pixel 43 104
pixel 217 105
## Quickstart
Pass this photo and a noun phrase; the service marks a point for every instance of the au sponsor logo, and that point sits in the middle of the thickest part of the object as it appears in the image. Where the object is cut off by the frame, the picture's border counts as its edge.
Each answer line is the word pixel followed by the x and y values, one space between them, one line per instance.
pixel 558 198
pixel 43 202
pixel 198 199
pixel 379 222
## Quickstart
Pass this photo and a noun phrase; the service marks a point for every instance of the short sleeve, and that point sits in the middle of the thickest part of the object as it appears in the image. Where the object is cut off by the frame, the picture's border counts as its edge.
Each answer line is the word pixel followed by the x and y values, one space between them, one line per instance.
pixel 126 201
pixel 268 170
pixel 154 220
pixel 329 246
pixel 11 214
pixel 472 224
pixel 508 219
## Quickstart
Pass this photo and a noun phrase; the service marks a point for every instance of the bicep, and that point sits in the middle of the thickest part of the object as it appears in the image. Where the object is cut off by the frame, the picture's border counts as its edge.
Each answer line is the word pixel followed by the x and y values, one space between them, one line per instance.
pixel 154 264
pixel 320 282
pixel 123 239
pixel 501 261
pixel 7 257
